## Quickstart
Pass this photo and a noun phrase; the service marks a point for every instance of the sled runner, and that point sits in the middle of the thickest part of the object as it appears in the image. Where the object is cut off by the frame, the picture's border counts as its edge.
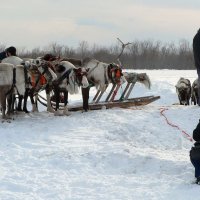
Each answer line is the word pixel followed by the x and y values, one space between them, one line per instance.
pixel 140 101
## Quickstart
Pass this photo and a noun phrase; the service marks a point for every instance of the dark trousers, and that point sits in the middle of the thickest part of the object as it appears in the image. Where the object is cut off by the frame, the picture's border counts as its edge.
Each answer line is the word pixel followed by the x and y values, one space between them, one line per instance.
pixel 198 72
pixel 196 53
pixel 196 164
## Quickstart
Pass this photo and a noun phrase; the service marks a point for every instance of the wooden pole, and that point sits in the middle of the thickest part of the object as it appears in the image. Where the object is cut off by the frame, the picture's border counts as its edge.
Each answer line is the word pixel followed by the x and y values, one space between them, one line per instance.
pixel 110 93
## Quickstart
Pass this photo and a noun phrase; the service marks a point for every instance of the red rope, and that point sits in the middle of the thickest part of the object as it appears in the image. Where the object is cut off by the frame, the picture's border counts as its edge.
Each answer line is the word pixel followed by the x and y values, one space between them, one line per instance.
pixel 175 126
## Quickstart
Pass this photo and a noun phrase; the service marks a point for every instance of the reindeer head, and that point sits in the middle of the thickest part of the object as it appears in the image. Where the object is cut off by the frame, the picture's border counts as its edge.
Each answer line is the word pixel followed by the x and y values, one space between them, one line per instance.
pixel 81 77
pixel 115 73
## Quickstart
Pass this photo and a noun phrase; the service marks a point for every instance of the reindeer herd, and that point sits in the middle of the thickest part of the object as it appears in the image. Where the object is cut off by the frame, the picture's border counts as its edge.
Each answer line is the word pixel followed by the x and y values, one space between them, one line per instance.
pixel 26 77
pixel 187 92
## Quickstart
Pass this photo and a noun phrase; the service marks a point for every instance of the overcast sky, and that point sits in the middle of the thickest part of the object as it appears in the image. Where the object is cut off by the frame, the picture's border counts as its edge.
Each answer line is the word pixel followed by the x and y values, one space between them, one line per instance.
pixel 37 23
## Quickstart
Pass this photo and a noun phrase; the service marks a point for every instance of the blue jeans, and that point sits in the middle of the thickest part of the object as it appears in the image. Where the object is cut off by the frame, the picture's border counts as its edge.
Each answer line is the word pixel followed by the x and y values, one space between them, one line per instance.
pixel 196 164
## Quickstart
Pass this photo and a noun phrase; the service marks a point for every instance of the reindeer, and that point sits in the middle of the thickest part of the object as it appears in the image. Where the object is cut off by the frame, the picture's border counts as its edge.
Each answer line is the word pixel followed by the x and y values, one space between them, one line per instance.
pixel 194 95
pixel 11 81
pixel 183 89
pixel 15 60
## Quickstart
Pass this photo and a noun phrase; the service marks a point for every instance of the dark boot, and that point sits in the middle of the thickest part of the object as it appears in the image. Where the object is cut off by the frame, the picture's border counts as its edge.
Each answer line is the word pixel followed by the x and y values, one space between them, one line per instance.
pixel 197 181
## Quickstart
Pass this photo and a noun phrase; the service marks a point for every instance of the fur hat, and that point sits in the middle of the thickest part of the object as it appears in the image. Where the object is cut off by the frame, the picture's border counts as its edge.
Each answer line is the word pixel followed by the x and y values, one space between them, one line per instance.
pixel 196 132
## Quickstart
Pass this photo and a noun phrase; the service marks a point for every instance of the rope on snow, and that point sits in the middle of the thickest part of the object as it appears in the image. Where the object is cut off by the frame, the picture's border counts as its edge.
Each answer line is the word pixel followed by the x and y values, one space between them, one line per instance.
pixel 162 110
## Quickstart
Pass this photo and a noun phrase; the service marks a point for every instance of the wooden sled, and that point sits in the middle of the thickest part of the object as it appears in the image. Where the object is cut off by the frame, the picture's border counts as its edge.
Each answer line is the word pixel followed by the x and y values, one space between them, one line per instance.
pixel 139 101
pixel 123 102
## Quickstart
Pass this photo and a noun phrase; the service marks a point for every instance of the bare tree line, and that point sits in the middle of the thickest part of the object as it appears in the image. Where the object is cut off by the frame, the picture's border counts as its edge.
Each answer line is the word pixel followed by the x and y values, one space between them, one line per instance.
pixel 145 54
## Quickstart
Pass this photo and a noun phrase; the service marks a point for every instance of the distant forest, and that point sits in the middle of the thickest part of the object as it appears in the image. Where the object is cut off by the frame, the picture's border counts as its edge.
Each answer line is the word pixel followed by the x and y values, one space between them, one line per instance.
pixel 146 54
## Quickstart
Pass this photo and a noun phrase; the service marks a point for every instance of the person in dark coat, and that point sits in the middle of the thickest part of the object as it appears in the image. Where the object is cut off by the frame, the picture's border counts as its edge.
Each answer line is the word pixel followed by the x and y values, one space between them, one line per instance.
pixel 196 54
pixel 195 153
pixel 10 51
pixel 3 55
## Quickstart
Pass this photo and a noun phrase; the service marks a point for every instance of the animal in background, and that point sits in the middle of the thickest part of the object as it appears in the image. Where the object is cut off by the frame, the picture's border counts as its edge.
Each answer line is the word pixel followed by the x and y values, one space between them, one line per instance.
pixel 194 95
pixel 183 90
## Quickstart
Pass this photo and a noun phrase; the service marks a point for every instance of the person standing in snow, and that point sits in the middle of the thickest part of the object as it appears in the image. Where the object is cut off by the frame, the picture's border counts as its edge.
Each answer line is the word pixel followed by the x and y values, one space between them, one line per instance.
pixel 195 153
pixel 196 53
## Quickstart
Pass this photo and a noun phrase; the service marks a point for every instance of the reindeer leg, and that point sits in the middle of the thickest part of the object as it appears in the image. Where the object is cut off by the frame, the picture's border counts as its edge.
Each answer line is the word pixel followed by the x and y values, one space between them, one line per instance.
pixel 57 98
pixel 33 102
pixel 12 103
pixel 25 100
pixel 10 108
pixel 66 111
pixel 49 107
pixel 3 106
pixel 85 97
pixel 19 106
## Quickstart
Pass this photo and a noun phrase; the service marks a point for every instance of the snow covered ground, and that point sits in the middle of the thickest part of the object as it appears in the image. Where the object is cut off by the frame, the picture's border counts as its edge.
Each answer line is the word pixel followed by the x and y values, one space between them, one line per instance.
pixel 116 154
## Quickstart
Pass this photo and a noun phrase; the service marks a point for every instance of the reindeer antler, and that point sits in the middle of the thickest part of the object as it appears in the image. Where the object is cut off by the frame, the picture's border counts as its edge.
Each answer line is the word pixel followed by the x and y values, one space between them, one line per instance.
pixel 120 40
pixel 123 47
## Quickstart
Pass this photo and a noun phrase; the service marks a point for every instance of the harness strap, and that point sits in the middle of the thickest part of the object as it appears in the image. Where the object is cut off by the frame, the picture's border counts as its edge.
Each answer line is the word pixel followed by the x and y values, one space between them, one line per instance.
pixel 27 80
pixel 14 76
pixel 42 74
pixel 93 68
pixel 65 75
pixel 25 75
pixel 91 81
pixel 106 74
pixel 110 74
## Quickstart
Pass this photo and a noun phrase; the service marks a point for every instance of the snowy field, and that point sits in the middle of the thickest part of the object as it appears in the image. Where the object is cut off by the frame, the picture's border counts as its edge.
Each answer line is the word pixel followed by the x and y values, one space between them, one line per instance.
pixel 116 154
